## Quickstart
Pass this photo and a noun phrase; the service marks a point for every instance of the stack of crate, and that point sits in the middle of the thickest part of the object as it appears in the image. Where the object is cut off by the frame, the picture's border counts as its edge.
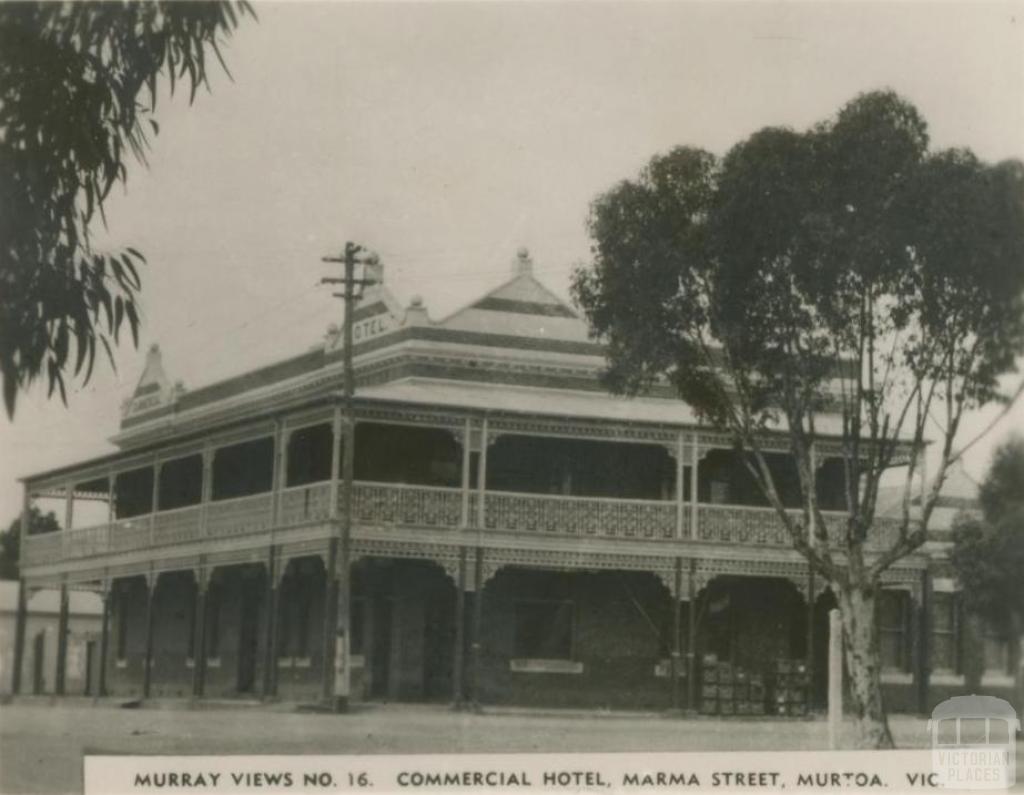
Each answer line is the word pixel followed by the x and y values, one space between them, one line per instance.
pixel 749 693
pixel 709 685
pixel 790 688
pixel 729 690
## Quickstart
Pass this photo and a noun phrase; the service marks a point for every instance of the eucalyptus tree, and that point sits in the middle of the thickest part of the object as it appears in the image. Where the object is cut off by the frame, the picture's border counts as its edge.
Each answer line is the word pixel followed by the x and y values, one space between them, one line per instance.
pixel 846 270
pixel 78 90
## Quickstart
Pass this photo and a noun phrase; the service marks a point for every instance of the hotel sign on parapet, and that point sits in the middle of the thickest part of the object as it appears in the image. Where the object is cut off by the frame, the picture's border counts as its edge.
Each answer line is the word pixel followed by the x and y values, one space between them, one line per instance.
pixel 378 314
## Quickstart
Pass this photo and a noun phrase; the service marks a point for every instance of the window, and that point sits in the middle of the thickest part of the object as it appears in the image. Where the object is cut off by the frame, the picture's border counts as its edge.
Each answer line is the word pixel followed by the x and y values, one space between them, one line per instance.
pixel 544 629
pixel 997 650
pixel 893 619
pixel 945 631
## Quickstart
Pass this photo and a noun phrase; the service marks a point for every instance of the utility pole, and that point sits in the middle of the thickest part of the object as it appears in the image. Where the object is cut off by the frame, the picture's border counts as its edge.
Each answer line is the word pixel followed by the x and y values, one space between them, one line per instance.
pixel 337 696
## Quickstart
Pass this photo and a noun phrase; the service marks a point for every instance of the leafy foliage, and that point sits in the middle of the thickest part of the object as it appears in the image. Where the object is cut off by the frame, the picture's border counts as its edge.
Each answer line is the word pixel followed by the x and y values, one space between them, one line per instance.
pixel 78 92
pixel 10 539
pixel 846 270
pixel 988 553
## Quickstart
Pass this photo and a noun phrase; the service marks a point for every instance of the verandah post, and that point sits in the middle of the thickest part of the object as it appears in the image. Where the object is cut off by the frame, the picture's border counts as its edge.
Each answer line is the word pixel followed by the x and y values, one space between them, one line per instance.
pixel 105 596
pixel 147 663
pixel 809 656
pixel 62 642
pixel 269 625
pixel 458 661
pixel 677 615
pixel 21 617
pixel 835 678
pixel 199 644
pixel 691 648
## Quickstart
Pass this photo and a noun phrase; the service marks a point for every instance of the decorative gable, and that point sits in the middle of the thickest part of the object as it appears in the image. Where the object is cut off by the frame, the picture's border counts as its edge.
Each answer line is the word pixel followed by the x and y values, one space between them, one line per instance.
pixel 154 389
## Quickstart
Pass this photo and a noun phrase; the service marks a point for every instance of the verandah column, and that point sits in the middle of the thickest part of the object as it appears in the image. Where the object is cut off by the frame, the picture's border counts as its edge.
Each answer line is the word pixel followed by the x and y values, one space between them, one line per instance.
pixel 809 655
pixel 62 641
pixel 105 597
pixel 147 664
pixel 922 661
pixel 202 578
pixel 21 617
pixel 478 577
pixel 332 590
pixel 154 499
pixel 694 481
pixel 691 648
pixel 459 656
pixel 458 659
pixel 677 614
pixel 478 606
pixel 270 625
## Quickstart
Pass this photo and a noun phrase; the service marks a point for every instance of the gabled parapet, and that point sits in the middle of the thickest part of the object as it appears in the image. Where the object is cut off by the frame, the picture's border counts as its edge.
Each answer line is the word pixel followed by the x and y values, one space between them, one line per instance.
pixel 154 391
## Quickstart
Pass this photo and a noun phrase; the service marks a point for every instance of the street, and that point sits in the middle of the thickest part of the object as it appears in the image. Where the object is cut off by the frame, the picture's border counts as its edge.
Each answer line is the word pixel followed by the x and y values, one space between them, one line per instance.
pixel 41 744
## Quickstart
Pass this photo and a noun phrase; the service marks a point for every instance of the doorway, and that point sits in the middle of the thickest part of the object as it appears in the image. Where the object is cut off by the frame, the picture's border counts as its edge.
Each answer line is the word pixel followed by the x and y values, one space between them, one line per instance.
pixel 90 665
pixel 248 633
pixel 380 648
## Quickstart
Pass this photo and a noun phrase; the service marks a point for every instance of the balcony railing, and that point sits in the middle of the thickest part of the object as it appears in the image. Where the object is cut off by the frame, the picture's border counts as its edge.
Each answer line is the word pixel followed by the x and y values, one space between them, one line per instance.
pixel 399 504
pixel 415 506
pixel 580 516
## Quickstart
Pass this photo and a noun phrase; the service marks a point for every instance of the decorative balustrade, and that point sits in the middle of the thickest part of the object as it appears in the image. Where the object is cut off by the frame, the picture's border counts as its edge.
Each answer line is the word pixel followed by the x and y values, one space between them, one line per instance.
pixel 240 516
pixel 128 534
pixel 44 548
pixel 580 516
pixel 741 524
pixel 401 504
pixel 178 526
pixel 384 504
pixel 85 541
pixel 309 503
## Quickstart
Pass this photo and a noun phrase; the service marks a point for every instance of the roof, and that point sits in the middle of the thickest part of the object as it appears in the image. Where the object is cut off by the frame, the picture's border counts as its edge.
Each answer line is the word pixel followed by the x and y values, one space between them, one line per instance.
pixel 550 402
pixel 973 706
pixel 522 307
pixel 47 601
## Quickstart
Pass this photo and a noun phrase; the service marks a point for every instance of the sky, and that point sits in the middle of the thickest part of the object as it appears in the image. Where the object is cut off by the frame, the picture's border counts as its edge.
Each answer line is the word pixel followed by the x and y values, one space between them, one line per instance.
pixel 446 135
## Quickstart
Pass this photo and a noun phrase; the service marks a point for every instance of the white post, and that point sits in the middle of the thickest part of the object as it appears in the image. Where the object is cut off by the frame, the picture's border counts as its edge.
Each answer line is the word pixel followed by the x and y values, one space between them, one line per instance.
pixel 835 678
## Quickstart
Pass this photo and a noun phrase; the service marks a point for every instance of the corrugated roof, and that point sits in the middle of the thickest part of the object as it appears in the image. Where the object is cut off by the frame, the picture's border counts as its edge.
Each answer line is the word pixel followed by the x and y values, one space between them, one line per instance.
pixel 550 402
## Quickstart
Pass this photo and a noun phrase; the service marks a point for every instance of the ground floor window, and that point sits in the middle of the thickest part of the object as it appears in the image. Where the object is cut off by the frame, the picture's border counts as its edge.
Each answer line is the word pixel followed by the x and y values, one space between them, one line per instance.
pixel 997 650
pixel 544 629
pixel 945 632
pixel 894 629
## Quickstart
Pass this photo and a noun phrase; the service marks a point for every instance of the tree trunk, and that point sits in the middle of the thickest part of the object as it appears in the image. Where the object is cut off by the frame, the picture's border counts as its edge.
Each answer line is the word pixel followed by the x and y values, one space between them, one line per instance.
pixel 864 666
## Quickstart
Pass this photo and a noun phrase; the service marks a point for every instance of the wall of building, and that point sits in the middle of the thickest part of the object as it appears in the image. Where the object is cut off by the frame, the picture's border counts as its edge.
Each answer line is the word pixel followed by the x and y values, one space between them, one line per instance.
pixel 83 641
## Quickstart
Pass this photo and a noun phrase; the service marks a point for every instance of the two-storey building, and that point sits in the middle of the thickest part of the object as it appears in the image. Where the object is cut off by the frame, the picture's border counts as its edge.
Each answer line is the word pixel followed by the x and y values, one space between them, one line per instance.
pixel 519 536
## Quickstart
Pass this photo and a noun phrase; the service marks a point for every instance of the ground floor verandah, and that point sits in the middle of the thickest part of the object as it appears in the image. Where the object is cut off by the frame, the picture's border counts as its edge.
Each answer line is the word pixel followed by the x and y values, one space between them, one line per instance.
pixel 471 626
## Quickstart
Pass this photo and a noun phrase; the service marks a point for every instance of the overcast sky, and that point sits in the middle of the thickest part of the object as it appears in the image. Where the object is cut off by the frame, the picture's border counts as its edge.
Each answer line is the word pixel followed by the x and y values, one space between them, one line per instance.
pixel 446 135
